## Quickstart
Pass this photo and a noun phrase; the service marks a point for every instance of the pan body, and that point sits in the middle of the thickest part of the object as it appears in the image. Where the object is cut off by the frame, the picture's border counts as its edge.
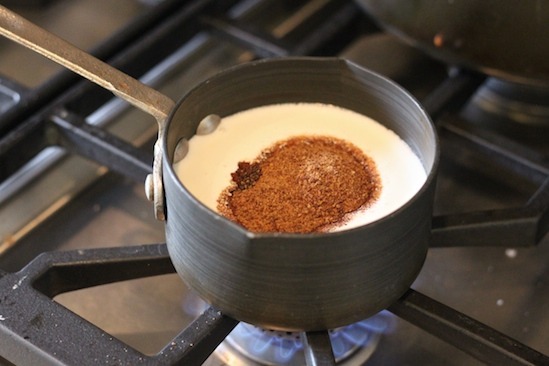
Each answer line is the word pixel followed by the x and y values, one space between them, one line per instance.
pixel 299 281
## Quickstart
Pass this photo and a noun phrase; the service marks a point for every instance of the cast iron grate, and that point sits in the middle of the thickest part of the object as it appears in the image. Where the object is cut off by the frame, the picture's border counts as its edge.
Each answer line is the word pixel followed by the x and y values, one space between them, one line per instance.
pixel 40 330
pixel 37 330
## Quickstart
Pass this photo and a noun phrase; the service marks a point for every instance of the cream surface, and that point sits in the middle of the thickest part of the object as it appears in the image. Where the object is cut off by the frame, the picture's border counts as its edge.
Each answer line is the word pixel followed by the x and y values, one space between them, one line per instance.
pixel 206 169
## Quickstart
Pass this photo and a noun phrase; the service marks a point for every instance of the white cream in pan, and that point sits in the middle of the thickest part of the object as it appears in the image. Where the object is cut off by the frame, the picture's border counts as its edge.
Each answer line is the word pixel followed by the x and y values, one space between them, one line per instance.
pixel 206 169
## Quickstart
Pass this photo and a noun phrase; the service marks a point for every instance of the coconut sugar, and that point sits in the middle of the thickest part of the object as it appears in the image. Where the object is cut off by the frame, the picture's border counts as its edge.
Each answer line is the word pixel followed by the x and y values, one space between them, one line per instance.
pixel 301 185
pixel 243 147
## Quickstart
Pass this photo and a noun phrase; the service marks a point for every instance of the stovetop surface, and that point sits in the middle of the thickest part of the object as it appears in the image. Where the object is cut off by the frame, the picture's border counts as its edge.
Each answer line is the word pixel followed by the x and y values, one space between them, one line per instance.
pixel 504 287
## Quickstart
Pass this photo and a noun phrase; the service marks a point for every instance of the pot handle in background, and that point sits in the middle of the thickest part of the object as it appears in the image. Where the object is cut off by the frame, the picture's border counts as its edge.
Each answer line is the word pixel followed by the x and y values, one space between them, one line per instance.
pixel 131 90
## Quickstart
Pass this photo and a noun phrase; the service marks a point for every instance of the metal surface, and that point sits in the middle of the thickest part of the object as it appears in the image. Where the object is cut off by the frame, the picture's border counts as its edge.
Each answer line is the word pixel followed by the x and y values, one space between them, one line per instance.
pixel 54 273
pixel 244 273
pixel 33 326
pixel 108 150
pixel 131 90
pixel 45 43
pixel 504 40
pixel 482 342
pixel 318 349
pixel 20 30
pixel 482 168
pixel 64 175
pixel 353 345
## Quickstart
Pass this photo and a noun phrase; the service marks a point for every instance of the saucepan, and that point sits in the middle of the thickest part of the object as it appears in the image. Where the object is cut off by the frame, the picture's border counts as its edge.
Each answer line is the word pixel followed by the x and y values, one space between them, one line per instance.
pixel 274 280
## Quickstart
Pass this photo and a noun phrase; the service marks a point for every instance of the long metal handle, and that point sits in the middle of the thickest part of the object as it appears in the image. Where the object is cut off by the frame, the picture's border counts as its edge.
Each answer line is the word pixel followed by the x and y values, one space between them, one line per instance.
pixel 20 30
pixel 133 91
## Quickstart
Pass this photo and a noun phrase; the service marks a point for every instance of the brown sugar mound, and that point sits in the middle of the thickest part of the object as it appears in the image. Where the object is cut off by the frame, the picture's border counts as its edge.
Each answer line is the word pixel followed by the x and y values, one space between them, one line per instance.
pixel 301 185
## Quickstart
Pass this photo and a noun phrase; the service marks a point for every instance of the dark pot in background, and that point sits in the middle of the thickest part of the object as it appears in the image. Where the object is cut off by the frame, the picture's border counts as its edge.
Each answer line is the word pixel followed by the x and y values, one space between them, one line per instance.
pixel 506 39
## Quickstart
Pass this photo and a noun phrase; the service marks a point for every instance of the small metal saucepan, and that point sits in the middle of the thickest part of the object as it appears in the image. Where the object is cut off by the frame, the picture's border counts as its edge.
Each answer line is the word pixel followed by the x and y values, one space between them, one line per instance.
pixel 279 281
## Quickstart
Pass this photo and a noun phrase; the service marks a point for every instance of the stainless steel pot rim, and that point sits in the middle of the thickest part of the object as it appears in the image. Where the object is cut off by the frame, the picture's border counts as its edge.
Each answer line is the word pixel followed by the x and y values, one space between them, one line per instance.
pixel 431 171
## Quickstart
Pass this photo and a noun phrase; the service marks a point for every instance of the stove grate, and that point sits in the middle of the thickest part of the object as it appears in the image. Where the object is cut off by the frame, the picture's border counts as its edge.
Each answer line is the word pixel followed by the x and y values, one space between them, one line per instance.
pixel 37 330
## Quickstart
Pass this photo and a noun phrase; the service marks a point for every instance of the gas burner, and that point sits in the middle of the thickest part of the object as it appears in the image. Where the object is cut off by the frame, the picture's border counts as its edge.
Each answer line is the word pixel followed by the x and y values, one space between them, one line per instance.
pixel 504 100
pixel 251 345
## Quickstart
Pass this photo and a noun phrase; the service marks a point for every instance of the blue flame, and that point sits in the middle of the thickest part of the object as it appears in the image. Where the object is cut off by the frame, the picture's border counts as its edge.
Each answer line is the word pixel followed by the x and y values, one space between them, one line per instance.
pixel 287 347
pixel 282 347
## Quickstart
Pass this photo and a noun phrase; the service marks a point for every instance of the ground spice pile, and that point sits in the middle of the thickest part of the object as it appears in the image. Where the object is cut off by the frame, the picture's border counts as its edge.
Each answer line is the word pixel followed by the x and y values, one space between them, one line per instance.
pixel 301 185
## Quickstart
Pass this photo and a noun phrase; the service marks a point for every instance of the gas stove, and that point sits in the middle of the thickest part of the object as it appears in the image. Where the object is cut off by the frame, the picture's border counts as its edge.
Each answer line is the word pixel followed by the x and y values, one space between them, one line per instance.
pixel 85 277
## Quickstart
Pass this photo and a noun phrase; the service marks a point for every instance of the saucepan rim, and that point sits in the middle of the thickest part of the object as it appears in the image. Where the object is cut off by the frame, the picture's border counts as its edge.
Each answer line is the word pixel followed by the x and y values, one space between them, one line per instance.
pixel 431 170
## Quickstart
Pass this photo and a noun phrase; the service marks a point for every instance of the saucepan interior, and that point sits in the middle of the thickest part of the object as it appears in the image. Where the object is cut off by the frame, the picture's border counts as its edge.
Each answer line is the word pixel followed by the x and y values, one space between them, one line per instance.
pixel 299 281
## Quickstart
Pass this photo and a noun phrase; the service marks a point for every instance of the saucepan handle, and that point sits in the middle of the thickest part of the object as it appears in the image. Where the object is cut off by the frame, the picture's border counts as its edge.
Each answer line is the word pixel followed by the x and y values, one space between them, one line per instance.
pixel 20 30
